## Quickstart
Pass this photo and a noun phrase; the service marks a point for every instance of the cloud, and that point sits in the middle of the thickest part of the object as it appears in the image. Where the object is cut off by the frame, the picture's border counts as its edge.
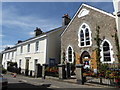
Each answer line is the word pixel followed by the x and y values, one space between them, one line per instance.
pixel 1 35
pixel 31 33
pixel 12 19
pixel 2 47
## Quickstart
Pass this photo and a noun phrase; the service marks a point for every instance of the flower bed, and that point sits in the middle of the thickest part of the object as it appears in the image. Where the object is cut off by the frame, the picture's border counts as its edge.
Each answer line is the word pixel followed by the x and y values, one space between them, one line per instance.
pixel 52 71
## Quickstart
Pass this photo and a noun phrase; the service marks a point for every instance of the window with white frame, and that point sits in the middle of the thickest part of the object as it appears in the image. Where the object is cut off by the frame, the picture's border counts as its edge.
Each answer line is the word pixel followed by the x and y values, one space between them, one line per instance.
pixel 12 54
pixel 37 46
pixel 84 35
pixel 5 55
pixel 20 62
pixel 70 54
pixel 9 55
pixel 28 48
pixel 21 49
pixel 106 52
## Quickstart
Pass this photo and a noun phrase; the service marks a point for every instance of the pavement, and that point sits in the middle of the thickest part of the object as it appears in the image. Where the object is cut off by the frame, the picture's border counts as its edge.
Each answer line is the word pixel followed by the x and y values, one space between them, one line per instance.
pixel 88 83
pixel 51 82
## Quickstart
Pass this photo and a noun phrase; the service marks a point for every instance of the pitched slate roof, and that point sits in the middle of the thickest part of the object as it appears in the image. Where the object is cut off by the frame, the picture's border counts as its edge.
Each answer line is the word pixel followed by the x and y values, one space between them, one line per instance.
pixel 48 32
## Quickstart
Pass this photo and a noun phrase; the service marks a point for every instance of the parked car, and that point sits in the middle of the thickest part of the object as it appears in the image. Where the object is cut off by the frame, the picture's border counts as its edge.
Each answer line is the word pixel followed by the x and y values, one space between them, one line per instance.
pixel 3 82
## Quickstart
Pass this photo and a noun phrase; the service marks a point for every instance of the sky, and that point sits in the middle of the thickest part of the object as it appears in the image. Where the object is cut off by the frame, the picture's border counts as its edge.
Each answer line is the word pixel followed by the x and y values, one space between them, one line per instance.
pixel 19 19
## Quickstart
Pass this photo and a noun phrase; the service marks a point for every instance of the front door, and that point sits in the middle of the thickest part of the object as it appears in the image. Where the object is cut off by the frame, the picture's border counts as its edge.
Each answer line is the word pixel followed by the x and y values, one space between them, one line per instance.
pixel 85 59
pixel 27 67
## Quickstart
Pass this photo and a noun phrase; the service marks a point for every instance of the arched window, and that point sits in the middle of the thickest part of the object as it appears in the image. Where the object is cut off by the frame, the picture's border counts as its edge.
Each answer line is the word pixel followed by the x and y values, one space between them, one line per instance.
pixel 70 54
pixel 84 36
pixel 106 52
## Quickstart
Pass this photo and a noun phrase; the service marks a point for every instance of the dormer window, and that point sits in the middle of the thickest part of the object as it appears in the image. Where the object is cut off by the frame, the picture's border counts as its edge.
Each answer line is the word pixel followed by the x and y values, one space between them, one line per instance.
pixel 84 36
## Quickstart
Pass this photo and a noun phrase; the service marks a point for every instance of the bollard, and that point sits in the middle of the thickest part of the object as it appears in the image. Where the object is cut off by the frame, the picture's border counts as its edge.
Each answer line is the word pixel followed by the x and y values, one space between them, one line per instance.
pixel 62 72
pixel 79 74
pixel 43 70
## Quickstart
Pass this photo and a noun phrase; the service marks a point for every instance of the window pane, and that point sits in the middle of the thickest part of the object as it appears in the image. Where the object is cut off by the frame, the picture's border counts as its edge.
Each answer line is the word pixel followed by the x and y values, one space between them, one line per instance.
pixel 106 48
pixel 20 63
pixel 86 30
pixel 83 26
pixel 87 38
pixel 87 42
pixel 106 54
pixel 82 43
pixel 37 46
pixel 81 34
pixel 21 49
pixel 28 47
pixel 70 54
pixel 107 58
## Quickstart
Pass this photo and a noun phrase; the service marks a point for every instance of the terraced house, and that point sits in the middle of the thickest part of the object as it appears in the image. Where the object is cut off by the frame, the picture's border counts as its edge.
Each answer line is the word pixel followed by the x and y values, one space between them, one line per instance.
pixel 9 55
pixel 38 50
pixel 43 48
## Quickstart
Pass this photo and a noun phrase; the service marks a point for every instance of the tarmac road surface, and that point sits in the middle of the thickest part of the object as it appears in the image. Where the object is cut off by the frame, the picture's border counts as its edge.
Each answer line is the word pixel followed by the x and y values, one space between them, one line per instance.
pixel 36 83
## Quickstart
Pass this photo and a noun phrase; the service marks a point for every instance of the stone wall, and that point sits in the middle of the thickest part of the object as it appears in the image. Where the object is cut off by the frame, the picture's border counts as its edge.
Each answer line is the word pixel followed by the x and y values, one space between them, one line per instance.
pixel 93 19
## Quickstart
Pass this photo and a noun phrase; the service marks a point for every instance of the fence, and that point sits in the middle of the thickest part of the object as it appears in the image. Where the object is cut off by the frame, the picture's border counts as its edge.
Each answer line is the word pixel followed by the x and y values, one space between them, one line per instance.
pixel 109 76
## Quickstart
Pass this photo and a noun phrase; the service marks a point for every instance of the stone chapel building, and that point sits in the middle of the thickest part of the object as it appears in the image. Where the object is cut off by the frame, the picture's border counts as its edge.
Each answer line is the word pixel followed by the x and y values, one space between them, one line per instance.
pixel 89 28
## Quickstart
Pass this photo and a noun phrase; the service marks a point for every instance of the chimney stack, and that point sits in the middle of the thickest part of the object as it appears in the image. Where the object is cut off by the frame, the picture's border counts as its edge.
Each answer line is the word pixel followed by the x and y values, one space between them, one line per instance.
pixel 65 19
pixel 19 41
pixel 38 31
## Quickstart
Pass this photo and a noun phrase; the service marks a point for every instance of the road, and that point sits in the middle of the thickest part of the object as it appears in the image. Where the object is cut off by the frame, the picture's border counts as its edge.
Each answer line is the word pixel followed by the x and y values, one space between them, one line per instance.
pixel 36 83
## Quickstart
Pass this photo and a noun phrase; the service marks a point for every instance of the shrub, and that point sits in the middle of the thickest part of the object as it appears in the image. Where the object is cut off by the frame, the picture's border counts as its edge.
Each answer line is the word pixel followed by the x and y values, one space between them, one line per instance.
pixel 4 71
pixel 52 71
pixel 13 69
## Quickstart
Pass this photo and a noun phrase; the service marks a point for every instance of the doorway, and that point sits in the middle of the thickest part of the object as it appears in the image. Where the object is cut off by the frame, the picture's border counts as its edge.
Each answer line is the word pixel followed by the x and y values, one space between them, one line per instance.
pixel 85 59
pixel 27 67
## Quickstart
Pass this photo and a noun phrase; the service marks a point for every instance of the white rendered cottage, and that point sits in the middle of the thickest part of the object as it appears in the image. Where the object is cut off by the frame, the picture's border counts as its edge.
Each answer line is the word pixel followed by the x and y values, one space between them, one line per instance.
pixel 8 55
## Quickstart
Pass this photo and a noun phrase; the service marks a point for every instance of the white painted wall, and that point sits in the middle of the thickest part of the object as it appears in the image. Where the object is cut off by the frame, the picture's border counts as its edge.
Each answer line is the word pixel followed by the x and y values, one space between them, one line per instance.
pixel 40 55
pixel 8 57
pixel 54 45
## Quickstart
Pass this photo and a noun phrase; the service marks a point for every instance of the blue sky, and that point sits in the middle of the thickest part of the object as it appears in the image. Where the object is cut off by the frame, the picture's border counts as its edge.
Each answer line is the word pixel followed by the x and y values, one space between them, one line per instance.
pixel 19 19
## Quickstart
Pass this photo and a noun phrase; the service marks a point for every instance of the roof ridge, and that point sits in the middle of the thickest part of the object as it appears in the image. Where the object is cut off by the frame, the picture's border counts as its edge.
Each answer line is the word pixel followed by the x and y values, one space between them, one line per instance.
pixel 89 6
pixel 99 10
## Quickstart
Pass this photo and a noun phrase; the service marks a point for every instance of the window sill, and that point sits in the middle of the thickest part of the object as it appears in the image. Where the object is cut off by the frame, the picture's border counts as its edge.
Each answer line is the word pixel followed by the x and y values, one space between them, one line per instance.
pixel 107 61
pixel 85 46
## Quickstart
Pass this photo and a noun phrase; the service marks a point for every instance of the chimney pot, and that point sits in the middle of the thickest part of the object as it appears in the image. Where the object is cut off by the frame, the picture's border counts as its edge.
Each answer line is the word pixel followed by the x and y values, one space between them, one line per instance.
pixel 37 31
pixel 19 41
pixel 66 19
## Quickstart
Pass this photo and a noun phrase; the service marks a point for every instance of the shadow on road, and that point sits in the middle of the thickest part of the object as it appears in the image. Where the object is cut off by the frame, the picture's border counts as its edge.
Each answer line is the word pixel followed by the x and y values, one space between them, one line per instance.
pixel 23 85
